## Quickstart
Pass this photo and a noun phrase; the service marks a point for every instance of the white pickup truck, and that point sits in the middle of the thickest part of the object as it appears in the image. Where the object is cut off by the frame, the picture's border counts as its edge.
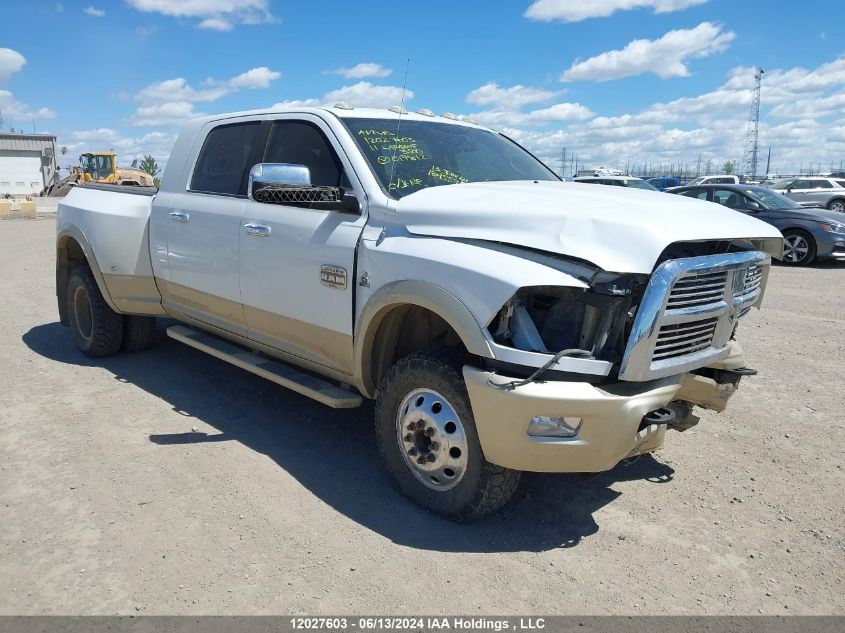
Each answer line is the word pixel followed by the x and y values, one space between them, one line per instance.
pixel 503 320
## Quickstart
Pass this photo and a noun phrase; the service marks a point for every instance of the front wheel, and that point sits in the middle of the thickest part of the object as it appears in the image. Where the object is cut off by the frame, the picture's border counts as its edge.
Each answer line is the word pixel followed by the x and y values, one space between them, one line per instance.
pixel 427 438
pixel 799 248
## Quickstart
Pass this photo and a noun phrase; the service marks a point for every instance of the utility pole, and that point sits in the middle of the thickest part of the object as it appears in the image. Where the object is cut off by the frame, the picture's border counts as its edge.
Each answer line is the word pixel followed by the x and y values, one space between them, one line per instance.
pixel 749 158
pixel 769 161
pixel 563 162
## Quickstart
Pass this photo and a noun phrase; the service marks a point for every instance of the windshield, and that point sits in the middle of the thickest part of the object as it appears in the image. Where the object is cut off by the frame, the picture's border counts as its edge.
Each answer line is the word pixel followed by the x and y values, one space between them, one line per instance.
pixel 97 166
pixel 429 154
pixel 769 199
pixel 782 184
pixel 638 184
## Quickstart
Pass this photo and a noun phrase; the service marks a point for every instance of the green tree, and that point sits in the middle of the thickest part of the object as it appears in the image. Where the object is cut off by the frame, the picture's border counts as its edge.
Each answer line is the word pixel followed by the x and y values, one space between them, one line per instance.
pixel 729 166
pixel 149 165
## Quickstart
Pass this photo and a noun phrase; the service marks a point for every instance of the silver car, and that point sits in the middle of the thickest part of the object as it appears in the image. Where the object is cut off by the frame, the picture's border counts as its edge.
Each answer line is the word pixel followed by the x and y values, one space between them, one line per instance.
pixel 814 192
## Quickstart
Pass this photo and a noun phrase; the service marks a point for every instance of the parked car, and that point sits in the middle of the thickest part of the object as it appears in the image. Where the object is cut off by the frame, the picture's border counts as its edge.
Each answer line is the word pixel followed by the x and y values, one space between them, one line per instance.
pixel 814 192
pixel 664 182
pixel 503 320
pixel 721 179
pixel 809 234
pixel 617 181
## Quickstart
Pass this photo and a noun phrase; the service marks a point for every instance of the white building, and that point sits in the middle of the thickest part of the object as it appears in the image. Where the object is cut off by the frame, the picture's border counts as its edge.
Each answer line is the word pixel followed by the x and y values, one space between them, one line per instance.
pixel 27 163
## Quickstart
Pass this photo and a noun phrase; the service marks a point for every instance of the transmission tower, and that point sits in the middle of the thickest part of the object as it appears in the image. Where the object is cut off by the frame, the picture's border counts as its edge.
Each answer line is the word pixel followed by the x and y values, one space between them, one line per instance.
pixel 749 158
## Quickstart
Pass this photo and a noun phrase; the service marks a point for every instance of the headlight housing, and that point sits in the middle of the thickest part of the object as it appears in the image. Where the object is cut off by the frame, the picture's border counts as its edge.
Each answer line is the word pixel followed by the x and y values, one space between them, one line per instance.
pixel 549 319
pixel 832 227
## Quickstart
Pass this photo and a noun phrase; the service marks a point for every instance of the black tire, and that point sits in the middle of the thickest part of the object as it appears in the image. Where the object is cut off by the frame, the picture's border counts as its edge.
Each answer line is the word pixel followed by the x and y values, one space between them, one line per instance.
pixel 139 333
pixel 837 204
pixel 799 248
pixel 97 329
pixel 482 487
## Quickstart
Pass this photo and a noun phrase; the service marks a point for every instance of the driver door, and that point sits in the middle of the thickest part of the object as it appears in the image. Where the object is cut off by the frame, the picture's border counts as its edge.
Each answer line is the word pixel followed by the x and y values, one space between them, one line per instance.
pixel 297 265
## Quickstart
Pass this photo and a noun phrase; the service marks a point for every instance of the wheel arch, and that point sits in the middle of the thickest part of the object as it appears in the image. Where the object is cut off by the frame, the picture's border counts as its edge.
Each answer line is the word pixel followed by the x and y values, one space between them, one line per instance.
pixel 837 198
pixel 421 307
pixel 72 250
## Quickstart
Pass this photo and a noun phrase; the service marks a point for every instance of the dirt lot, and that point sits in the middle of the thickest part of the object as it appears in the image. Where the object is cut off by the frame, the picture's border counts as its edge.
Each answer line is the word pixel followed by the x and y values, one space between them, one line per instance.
pixel 109 503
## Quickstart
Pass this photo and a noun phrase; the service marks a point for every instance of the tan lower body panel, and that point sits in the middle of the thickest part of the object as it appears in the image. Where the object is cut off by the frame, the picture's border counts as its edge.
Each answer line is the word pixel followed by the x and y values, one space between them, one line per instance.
pixel 217 311
pixel 609 432
pixel 320 345
pixel 299 339
pixel 134 295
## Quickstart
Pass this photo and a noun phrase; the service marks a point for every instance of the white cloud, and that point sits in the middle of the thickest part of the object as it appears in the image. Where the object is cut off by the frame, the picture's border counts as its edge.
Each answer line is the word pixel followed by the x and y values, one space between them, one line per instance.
pixel 569 11
pixel 512 98
pixel 14 110
pixel 801 116
pixel 360 71
pixel 170 114
pixel 97 13
pixel 255 78
pixel 11 62
pixel 553 114
pixel 360 95
pixel 218 15
pixel 216 24
pixel 170 102
pixel 664 57
pixel 366 95
pixel 178 90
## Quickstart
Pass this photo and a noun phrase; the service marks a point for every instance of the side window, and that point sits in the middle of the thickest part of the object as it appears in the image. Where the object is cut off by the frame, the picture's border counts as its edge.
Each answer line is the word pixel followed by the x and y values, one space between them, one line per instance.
pixel 841 183
pixel 729 198
pixel 701 194
pixel 801 184
pixel 302 143
pixel 821 184
pixel 222 162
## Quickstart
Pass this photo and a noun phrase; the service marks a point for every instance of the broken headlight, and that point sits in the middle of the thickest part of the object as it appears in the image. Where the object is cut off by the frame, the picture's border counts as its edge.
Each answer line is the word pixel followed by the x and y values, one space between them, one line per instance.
pixel 549 319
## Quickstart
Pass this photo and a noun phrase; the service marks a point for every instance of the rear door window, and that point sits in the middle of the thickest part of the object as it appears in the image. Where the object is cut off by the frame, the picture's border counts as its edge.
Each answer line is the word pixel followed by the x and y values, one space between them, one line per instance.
pixel 701 194
pixel 222 162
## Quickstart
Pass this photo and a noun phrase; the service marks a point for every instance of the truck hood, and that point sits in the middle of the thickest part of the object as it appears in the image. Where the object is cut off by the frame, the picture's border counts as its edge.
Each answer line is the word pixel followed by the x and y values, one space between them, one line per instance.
pixel 616 228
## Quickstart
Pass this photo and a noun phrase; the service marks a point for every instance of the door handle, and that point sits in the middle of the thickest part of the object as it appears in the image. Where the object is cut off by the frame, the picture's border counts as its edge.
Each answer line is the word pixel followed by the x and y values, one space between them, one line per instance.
pixel 257 230
pixel 178 216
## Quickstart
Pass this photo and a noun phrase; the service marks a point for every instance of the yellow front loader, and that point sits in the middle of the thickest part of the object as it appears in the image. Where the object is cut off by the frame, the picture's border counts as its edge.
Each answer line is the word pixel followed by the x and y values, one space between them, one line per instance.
pixel 98 167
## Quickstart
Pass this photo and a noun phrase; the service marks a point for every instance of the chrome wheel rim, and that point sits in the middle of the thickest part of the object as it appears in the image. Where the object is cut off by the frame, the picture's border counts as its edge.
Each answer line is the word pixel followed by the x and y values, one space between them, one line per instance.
pixel 431 439
pixel 838 206
pixel 83 314
pixel 795 249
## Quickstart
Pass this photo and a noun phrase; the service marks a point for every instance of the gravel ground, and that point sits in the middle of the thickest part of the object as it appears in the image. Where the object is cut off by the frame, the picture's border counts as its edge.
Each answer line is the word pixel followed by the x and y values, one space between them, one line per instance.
pixel 109 503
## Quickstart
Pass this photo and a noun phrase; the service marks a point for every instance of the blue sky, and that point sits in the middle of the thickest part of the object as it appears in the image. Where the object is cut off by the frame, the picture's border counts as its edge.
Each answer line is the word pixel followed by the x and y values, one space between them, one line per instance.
pixel 613 81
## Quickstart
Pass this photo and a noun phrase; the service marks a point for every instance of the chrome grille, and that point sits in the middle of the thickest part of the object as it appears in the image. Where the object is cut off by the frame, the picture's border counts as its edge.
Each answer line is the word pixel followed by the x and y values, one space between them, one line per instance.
pixel 753 279
pixel 697 290
pixel 689 312
pixel 684 338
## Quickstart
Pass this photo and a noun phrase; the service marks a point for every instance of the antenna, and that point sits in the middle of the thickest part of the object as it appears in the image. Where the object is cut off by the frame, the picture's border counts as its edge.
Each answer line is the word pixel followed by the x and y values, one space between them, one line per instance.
pixel 399 123
pixel 749 158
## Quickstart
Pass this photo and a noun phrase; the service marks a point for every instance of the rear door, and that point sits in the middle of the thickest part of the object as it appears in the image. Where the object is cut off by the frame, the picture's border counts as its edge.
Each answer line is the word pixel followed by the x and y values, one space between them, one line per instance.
pixel 819 192
pixel 204 229
pixel 297 265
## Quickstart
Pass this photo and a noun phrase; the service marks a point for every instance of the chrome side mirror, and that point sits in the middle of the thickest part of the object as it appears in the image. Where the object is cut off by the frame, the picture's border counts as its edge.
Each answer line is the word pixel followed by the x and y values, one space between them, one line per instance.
pixel 277 175
pixel 290 185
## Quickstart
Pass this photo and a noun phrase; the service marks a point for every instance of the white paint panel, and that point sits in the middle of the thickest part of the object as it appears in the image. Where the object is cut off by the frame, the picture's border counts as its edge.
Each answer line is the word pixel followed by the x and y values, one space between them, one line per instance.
pixel 20 175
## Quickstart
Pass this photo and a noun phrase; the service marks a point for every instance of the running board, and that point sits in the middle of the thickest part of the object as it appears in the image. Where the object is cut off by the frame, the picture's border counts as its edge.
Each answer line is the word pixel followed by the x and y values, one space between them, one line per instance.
pixel 278 372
